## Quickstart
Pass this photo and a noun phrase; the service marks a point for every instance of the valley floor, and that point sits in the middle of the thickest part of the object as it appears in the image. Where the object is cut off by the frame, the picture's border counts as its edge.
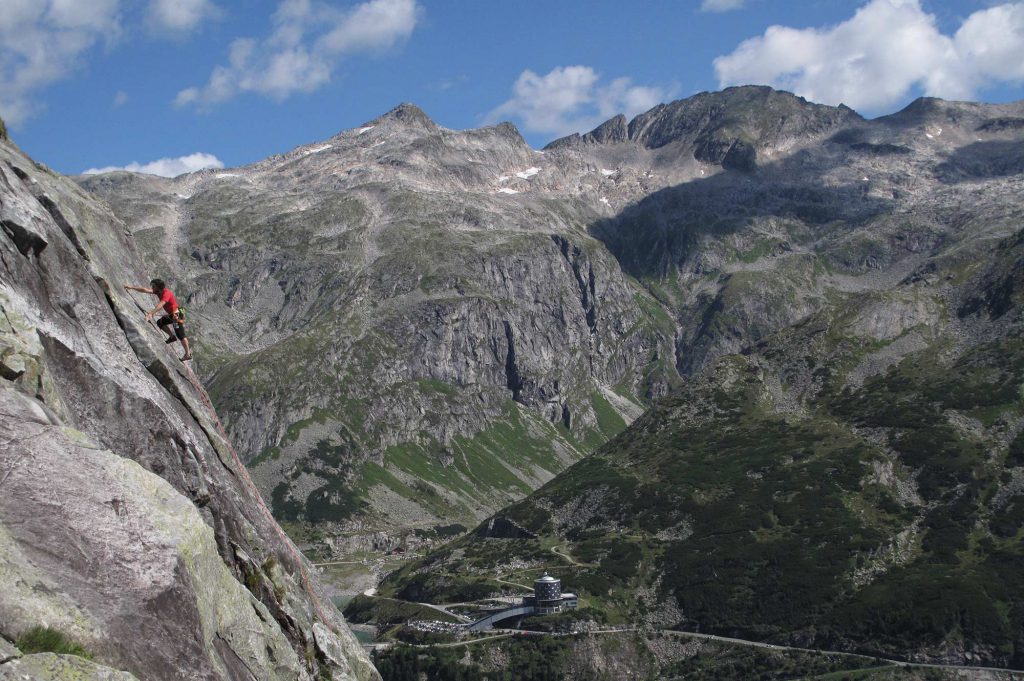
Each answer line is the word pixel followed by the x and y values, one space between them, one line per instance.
pixel 408 652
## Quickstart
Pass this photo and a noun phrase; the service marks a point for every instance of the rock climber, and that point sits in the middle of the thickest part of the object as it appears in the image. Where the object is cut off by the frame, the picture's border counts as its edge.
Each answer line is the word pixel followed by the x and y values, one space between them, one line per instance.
pixel 173 320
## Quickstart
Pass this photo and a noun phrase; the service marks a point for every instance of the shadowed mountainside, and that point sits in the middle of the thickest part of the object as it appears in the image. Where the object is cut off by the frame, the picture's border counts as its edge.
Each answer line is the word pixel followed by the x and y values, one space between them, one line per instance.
pixel 841 467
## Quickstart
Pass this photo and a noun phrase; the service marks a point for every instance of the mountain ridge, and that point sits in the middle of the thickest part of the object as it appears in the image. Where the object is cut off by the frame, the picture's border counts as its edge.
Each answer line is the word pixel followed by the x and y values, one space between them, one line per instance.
pixel 840 465
pixel 705 253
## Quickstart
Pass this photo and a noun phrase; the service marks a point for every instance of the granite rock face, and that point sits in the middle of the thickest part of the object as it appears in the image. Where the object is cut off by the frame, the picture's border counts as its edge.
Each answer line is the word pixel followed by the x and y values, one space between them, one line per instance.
pixel 126 521
pixel 51 667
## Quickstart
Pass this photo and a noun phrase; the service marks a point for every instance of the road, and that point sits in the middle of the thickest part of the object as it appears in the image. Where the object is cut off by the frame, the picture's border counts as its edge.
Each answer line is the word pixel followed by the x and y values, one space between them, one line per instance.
pixel 1015 673
pixel 573 561
pixel 506 633
pixel 899 663
pixel 459 644
pixel 445 610
pixel 521 586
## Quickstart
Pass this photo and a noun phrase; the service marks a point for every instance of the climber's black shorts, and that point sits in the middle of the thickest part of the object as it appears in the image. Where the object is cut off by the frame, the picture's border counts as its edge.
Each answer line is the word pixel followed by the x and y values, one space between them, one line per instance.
pixel 179 328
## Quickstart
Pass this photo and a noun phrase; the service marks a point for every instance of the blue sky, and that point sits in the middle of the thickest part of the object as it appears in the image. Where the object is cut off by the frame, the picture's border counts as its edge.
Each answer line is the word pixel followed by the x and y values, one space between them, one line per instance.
pixel 88 84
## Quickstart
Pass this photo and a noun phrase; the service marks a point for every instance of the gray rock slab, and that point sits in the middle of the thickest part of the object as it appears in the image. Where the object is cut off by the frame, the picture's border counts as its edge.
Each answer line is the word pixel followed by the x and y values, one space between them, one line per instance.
pixel 51 667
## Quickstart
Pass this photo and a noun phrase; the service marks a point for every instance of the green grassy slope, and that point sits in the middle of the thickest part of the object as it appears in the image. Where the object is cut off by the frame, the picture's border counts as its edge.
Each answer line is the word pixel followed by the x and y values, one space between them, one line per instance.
pixel 778 498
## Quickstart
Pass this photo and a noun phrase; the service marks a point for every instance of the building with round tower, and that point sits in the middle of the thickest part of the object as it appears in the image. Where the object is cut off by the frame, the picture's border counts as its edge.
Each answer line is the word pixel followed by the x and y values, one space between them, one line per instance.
pixel 547 592
pixel 547 598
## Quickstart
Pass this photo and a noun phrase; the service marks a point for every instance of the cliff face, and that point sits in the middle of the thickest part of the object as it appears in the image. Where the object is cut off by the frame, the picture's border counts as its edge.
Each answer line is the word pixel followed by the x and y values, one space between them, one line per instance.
pixel 126 521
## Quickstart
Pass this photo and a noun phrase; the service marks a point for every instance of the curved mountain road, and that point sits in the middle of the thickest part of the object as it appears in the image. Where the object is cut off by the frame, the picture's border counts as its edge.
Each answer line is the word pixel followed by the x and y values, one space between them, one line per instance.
pixel 572 561
pixel 444 609
pixel 521 586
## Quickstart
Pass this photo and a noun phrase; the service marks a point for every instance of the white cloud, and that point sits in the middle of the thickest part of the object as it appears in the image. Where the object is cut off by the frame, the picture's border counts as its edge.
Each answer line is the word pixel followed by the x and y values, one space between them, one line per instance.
pixel 720 5
pixel 180 16
pixel 882 53
pixel 375 25
pixel 44 41
pixel 307 42
pixel 572 99
pixel 166 167
pixel 991 43
pixel 449 83
pixel 95 15
pixel 120 99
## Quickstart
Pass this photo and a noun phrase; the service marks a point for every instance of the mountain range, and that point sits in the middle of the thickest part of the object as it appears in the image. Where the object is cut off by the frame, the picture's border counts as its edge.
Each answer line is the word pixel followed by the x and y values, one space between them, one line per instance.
pixel 481 315
pixel 841 467
pixel 761 357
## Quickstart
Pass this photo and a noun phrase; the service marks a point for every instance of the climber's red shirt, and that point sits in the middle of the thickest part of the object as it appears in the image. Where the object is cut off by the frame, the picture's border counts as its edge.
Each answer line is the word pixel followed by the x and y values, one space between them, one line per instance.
pixel 169 301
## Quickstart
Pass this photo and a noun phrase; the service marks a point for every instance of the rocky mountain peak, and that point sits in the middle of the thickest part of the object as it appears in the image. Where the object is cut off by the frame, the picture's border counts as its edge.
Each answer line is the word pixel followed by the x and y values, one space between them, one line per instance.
pixel 757 114
pixel 613 131
pixel 407 115
pixel 933 111
pixel 919 110
pixel 727 128
pixel 509 131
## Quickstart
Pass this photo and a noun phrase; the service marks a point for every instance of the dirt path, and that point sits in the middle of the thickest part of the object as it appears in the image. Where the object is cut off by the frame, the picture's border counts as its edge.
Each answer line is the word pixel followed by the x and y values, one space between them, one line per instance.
pixel 521 586
pixel 572 561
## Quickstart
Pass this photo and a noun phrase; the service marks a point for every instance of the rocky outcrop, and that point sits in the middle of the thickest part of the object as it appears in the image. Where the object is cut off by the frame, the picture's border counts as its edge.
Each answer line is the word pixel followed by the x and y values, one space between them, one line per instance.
pixel 99 548
pixel 51 667
pixel 614 130
pixel 126 520
pixel 713 123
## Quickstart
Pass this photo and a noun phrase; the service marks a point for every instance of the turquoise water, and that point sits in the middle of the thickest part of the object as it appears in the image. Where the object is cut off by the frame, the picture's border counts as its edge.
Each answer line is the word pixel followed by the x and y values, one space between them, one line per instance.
pixel 363 635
